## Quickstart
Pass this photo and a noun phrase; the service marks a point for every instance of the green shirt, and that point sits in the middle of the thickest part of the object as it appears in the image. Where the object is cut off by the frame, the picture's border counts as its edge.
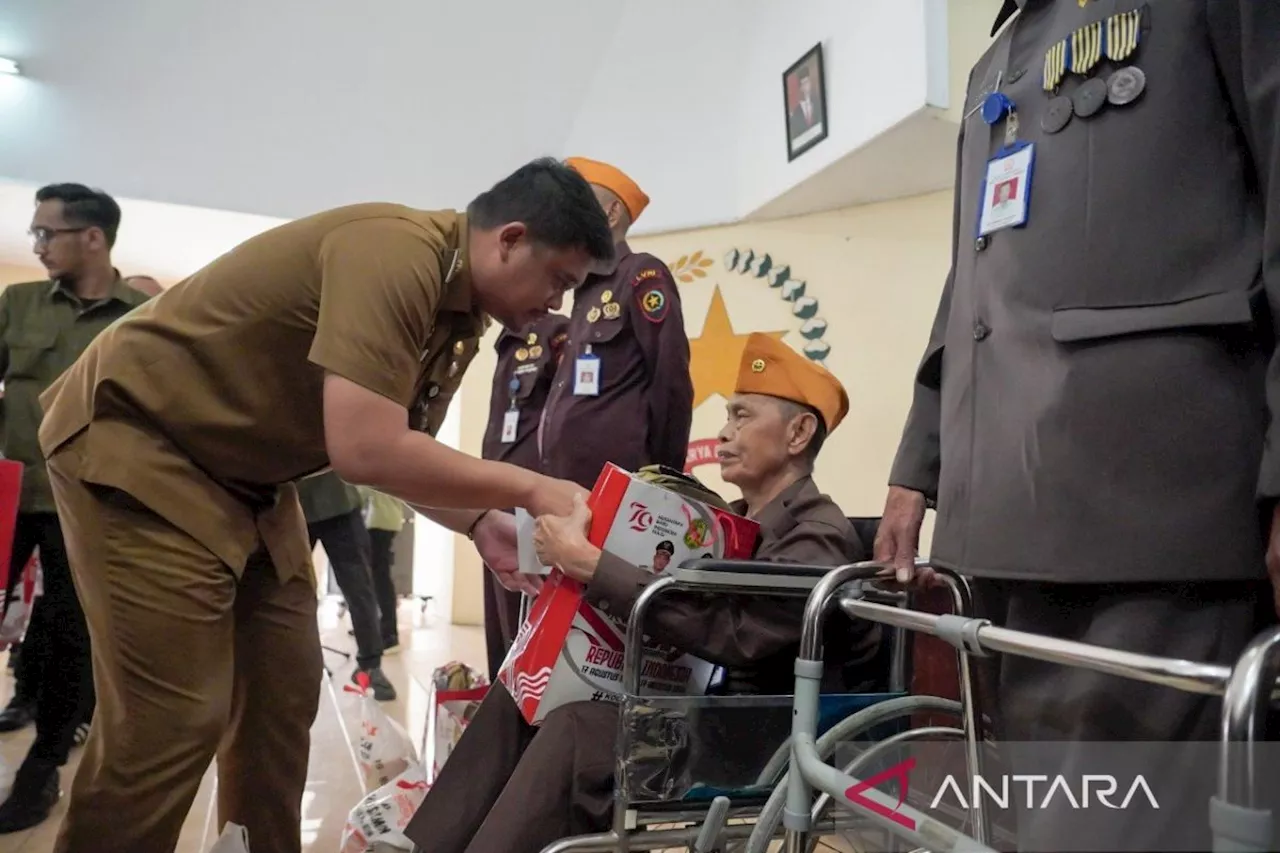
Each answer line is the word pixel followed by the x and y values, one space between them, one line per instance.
pixel 44 327
pixel 382 512
pixel 326 496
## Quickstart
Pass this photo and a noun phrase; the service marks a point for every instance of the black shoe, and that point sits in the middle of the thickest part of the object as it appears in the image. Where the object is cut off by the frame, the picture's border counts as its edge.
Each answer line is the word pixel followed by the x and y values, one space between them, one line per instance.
pixel 383 691
pixel 35 793
pixel 15 651
pixel 18 714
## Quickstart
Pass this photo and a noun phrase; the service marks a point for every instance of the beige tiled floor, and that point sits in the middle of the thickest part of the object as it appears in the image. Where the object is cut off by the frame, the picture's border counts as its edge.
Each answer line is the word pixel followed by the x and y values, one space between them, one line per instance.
pixel 334 786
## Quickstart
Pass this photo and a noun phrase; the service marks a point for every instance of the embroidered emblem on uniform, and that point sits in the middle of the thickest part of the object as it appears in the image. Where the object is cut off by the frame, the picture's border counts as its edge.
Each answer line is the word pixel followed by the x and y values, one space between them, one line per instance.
pixel 644 274
pixel 654 305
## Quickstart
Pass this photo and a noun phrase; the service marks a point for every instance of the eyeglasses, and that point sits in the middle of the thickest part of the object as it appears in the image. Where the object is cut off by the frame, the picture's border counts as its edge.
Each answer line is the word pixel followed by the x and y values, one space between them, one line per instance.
pixel 42 236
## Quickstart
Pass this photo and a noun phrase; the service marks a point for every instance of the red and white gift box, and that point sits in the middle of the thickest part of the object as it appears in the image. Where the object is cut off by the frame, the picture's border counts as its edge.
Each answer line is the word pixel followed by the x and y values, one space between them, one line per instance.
pixel 568 651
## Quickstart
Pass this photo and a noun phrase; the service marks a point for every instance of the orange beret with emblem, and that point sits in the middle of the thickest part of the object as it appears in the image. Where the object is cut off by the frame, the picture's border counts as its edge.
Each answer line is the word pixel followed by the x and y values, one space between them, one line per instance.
pixel 773 368
pixel 614 180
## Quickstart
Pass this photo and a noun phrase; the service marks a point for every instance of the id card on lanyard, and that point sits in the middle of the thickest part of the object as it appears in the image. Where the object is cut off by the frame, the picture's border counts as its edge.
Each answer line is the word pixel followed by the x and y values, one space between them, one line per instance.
pixel 586 374
pixel 1005 191
pixel 511 418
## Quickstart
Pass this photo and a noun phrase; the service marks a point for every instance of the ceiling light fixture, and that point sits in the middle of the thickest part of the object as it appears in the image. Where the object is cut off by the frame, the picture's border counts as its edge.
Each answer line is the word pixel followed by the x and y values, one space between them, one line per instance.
pixel 8 66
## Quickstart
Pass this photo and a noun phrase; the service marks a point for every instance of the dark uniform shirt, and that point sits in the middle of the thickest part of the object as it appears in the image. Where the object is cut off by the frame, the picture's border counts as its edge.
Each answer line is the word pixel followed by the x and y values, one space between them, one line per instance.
pixel 44 327
pixel 527 365
pixel 326 496
pixel 207 403
pixel 757 637
pixel 632 320
pixel 1093 404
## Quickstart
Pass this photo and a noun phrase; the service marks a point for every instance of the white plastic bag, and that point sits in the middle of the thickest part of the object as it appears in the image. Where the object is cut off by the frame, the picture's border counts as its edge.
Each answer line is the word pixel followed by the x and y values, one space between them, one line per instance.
pixel 379 820
pixel 234 839
pixel 385 749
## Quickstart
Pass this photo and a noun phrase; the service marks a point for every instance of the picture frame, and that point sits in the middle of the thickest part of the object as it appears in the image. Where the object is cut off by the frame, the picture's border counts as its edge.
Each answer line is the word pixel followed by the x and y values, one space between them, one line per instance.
pixel 804 102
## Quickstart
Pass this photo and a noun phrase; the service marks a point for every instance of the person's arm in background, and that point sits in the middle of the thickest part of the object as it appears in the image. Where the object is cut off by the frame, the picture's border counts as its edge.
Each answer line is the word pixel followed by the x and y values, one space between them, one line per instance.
pixel 1245 35
pixel 657 321
pixel 913 479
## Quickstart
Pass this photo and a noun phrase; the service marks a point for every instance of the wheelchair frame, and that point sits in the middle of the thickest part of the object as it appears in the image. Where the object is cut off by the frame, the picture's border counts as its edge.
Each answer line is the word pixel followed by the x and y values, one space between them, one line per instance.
pixel 732 577
pixel 1238 821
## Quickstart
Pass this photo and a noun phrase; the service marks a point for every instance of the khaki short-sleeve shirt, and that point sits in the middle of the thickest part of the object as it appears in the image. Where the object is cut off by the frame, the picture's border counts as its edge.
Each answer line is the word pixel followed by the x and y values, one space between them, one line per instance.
pixel 206 402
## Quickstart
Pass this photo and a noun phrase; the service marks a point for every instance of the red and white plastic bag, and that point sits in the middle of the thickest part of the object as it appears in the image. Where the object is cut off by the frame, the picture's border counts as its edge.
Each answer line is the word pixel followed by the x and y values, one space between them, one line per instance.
pixel 17 612
pixel 234 839
pixel 385 750
pixel 383 815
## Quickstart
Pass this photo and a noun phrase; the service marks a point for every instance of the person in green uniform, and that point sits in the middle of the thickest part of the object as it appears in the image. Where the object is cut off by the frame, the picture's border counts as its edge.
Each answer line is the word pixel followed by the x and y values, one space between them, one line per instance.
pixel 44 327
pixel 384 517
pixel 334 513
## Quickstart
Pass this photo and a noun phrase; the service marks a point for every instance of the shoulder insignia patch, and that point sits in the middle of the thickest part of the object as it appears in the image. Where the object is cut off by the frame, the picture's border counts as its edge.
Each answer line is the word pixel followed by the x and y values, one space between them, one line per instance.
pixel 653 304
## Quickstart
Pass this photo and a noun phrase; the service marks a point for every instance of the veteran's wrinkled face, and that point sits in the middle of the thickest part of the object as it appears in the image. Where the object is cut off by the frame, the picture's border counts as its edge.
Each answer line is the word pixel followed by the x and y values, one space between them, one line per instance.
pixel 762 435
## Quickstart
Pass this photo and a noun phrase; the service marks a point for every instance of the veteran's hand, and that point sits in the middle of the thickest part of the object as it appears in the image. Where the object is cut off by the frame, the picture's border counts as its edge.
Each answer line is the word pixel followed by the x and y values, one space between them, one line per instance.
pixel 898 538
pixel 561 540
pixel 495 538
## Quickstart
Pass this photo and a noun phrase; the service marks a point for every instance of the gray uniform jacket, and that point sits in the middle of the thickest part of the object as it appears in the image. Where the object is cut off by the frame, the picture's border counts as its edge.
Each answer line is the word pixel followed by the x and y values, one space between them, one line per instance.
pixel 1096 399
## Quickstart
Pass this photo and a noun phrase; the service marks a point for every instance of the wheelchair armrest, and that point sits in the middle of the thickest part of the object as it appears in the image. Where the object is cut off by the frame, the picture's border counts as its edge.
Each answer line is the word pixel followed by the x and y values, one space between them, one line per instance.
pixel 749 574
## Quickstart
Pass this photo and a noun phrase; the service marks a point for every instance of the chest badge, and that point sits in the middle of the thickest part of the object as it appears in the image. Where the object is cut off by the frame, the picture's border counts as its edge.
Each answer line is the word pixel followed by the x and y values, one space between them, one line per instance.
pixel 593 315
pixel 612 311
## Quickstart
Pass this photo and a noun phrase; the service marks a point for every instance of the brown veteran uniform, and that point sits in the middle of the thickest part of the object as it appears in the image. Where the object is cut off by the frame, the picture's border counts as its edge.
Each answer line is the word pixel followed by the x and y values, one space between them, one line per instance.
pixel 509 787
pixel 627 327
pixel 1095 411
pixel 171 446
pixel 44 327
pixel 526 366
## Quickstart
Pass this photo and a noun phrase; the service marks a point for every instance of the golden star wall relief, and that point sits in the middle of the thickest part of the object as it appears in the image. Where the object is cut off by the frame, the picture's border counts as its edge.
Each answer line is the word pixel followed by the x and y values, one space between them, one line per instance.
pixel 717 349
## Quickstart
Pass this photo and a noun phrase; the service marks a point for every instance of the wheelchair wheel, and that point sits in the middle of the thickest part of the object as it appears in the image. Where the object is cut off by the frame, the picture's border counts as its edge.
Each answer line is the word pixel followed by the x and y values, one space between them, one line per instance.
pixel 847 730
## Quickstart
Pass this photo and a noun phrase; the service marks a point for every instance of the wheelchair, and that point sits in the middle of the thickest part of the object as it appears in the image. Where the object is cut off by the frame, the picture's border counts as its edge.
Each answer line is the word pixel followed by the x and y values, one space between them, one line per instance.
pixel 796 794
pixel 709 772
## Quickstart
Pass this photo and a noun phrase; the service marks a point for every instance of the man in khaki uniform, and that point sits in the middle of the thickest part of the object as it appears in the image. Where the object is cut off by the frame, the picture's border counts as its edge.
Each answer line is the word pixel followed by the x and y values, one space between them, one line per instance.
pixel 44 326
pixel 336 340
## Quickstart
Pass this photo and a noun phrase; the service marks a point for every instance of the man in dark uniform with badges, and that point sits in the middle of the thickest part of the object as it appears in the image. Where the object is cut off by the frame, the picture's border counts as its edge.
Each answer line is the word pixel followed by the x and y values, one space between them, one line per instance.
pixel 622 393
pixel 527 364
pixel 1096 413
pixel 336 340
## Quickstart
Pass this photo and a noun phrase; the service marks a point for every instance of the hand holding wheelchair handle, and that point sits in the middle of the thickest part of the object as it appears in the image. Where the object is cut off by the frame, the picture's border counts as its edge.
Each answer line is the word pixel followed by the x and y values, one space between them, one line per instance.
pixel 898 539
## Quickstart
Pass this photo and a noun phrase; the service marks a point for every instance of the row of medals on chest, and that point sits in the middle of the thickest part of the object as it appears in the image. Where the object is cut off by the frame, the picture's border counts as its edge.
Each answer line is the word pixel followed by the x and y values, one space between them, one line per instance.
pixel 1116 39
pixel 608 309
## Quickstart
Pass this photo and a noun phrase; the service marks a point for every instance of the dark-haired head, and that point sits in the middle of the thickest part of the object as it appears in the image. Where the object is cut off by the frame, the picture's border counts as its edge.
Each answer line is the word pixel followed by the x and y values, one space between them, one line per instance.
pixel 535 235
pixel 73 228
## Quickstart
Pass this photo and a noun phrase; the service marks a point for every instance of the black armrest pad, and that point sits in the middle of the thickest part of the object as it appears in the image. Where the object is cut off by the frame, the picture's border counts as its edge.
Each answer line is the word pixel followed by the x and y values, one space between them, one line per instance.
pixel 756 567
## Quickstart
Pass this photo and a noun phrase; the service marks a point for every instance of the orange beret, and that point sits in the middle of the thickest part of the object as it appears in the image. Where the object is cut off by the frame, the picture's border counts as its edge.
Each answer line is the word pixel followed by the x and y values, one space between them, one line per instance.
pixel 614 180
pixel 773 368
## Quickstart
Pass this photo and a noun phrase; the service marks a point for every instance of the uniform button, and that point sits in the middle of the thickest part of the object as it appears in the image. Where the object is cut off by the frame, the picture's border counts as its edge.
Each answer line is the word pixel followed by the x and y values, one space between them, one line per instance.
pixel 981 244
pixel 980 331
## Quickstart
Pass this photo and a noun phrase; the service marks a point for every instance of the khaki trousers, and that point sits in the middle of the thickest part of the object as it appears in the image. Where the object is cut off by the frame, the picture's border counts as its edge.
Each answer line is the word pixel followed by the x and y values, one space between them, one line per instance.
pixel 189 664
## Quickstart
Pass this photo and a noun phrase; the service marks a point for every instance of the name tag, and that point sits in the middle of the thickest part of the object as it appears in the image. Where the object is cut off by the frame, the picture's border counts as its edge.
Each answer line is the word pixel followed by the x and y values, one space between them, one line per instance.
pixel 510 421
pixel 1006 192
pixel 586 376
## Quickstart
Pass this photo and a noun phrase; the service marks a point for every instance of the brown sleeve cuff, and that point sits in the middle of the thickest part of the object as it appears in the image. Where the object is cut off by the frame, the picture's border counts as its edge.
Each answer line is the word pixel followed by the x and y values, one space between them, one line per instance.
pixel 616 585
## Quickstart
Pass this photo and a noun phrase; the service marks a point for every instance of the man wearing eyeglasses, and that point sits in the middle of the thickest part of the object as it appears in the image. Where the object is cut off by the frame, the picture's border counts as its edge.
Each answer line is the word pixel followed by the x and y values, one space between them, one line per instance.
pixel 44 327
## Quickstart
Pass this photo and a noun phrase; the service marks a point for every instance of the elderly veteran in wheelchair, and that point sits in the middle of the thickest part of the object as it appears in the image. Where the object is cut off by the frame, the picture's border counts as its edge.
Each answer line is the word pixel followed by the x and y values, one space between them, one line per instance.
pixel 510 787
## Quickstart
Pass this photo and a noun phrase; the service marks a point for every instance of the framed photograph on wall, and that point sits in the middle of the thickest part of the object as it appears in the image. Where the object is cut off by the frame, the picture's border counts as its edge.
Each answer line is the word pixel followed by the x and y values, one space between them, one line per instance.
pixel 804 89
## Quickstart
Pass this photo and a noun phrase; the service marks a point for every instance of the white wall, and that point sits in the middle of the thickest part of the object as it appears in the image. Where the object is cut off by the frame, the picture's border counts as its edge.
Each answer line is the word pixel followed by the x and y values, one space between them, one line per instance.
pixel 877 73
